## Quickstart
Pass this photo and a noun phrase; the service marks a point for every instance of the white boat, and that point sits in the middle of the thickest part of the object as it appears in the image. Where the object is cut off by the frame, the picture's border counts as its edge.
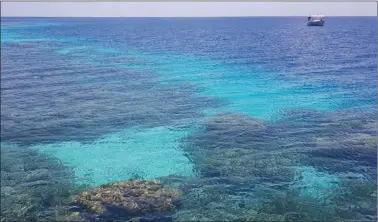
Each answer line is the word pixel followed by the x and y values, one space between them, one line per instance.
pixel 315 20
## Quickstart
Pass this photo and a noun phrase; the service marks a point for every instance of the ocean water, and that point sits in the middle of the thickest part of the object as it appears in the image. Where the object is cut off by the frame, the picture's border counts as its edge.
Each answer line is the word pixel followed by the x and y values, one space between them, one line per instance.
pixel 260 107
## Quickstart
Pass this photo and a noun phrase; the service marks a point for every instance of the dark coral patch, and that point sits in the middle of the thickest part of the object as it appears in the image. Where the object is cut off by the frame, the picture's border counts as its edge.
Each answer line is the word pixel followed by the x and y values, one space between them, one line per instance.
pixel 142 200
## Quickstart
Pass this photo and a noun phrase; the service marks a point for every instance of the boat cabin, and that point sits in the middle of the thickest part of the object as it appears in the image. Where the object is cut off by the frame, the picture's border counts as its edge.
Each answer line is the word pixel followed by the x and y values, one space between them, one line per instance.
pixel 315 20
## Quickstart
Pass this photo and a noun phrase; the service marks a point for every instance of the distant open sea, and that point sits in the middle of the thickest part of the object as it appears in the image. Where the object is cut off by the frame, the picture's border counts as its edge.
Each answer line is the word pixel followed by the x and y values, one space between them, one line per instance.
pixel 253 106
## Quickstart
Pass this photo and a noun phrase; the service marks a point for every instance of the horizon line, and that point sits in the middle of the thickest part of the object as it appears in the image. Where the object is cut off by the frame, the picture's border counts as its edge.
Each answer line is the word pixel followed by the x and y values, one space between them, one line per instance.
pixel 222 16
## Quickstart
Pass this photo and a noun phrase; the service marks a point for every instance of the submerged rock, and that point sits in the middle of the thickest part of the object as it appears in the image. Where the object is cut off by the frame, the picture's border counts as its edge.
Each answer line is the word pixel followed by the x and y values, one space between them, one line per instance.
pixel 36 183
pixel 129 199
pixel 40 174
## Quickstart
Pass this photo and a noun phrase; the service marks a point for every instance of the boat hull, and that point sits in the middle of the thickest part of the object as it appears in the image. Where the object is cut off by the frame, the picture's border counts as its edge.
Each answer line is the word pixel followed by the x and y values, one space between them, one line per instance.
pixel 315 23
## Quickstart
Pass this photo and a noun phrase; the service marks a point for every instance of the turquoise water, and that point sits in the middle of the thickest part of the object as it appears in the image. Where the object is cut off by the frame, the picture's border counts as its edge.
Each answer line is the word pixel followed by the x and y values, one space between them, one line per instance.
pixel 132 153
pixel 229 83
pixel 115 100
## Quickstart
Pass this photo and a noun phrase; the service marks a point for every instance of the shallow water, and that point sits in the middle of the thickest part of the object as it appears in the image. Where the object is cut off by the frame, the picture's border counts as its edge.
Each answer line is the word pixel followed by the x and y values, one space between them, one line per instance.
pixel 259 112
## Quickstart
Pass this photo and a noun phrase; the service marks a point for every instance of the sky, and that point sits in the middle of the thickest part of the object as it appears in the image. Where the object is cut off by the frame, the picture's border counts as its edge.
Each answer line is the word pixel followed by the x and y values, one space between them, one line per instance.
pixel 185 9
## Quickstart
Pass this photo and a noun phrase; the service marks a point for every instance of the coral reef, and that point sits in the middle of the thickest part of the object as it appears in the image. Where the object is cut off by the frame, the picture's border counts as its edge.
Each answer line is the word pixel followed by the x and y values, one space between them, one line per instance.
pixel 234 145
pixel 356 199
pixel 352 200
pixel 251 170
pixel 33 186
pixel 337 142
pixel 128 199
pixel 247 155
pixel 248 170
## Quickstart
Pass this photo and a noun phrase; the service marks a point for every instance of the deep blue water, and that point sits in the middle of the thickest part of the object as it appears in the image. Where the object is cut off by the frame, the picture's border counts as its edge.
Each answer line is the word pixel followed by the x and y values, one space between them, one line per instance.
pixel 257 107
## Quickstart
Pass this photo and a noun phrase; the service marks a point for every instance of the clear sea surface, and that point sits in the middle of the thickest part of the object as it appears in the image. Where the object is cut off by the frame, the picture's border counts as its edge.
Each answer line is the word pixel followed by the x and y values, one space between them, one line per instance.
pixel 259 118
